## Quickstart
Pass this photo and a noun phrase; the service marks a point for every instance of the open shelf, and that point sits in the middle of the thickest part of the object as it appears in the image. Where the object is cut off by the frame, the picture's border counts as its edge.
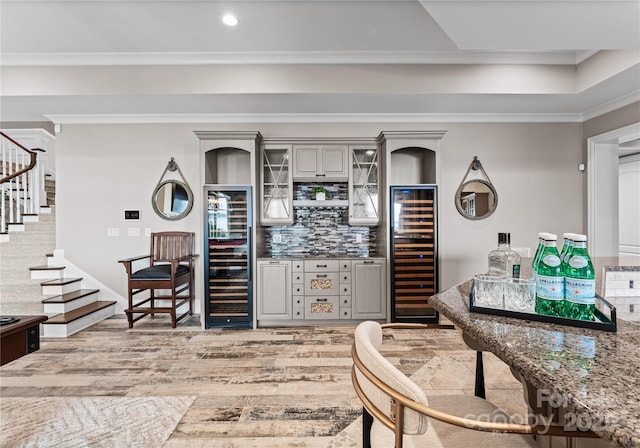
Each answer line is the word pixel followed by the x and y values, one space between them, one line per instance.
pixel 332 203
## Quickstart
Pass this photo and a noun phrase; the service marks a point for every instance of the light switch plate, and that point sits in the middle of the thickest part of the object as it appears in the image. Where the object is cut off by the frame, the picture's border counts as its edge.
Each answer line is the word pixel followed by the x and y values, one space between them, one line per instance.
pixel 113 231
pixel 133 231
pixel 147 231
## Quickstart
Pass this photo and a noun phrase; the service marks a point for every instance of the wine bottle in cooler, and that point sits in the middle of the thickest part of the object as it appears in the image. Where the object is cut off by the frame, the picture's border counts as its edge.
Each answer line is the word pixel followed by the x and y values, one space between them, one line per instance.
pixel 550 279
pixel 580 282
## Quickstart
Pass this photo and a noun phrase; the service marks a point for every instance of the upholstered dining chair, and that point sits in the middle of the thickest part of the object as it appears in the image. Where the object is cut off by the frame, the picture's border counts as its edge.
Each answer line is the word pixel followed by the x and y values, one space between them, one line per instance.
pixel 166 273
pixel 397 413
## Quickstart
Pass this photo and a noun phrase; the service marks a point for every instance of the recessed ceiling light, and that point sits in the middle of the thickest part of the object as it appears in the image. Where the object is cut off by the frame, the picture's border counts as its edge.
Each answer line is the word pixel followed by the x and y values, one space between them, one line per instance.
pixel 230 20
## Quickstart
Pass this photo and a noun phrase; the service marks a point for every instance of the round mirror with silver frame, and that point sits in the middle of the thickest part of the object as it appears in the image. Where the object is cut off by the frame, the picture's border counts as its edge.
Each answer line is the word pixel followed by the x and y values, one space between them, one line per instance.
pixel 172 200
pixel 476 199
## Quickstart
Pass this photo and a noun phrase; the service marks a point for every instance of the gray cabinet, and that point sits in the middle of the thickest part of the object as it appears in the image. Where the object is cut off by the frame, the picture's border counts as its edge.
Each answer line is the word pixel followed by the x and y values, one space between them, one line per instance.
pixel 321 163
pixel 274 290
pixel 276 184
pixel 364 197
pixel 369 289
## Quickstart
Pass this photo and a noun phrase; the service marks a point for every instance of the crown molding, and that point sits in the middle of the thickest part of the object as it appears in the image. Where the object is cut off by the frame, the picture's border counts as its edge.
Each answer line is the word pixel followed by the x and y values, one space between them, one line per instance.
pixel 310 118
pixel 611 105
pixel 293 57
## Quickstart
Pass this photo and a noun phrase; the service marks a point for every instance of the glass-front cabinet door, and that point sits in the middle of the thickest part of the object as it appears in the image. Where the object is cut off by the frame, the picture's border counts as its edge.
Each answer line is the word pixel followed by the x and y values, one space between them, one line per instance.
pixel 364 198
pixel 277 188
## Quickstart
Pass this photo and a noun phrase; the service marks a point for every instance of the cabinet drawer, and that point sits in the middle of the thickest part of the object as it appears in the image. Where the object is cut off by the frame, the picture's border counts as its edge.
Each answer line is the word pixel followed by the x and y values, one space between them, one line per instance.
pixel 345 301
pixel 345 265
pixel 345 277
pixel 298 313
pixel 297 266
pixel 325 307
pixel 345 289
pixel 317 283
pixel 298 301
pixel 345 313
pixel 298 277
pixel 321 266
pixel 298 288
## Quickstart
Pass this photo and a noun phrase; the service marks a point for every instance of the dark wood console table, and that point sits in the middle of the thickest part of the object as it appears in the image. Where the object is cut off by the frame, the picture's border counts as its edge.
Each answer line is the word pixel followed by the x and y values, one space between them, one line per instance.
pixel 19 338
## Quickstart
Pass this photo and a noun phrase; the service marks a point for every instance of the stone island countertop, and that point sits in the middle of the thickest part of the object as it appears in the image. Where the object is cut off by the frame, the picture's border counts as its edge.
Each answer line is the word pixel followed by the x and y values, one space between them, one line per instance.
pixel 595 374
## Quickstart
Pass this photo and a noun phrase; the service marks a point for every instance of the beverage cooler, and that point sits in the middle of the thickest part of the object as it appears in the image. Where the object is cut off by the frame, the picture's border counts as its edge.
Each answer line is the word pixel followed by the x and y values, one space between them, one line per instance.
pixel 414 253
pixel 228 271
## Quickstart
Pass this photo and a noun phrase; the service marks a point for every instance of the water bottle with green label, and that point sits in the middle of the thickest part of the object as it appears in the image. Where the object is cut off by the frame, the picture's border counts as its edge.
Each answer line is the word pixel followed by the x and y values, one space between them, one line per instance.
pixel 549 279
pixel 566 247
pixel 580 283
pixel 536 257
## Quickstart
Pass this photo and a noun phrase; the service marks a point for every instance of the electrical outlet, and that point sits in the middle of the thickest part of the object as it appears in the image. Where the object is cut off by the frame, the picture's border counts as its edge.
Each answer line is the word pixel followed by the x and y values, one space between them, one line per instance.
pixel 113 231
pixel 147 231
pixel 133 231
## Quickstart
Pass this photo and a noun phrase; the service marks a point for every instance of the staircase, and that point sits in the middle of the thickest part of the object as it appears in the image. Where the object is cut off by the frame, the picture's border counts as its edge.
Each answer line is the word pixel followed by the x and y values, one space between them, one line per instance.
pixel 27 232
pixel 70 307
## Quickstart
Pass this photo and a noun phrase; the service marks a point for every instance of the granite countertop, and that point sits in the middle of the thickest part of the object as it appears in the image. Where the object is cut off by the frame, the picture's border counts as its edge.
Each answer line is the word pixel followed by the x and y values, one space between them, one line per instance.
pixel 603 390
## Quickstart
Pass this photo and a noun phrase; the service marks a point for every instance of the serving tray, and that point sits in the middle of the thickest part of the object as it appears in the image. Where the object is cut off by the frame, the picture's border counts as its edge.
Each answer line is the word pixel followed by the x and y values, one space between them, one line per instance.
pixel 605 315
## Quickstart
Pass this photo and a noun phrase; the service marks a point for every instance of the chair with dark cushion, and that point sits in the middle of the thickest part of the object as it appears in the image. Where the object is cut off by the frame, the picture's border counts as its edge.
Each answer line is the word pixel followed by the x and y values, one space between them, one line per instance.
pixel 166 273
pixel 397 413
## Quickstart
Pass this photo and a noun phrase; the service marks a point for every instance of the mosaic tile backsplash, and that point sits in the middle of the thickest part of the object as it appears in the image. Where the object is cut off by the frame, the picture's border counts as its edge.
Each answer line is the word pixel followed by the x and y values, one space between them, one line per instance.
pixel 320 231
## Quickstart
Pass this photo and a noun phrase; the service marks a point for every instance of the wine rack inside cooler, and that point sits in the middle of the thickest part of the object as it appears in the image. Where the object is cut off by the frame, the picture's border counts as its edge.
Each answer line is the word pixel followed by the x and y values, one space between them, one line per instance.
pixel 228 288
pixel 414 254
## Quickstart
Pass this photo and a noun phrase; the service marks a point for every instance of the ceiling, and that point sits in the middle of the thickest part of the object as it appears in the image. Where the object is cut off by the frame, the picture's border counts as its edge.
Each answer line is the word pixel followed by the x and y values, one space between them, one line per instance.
pixel 297 60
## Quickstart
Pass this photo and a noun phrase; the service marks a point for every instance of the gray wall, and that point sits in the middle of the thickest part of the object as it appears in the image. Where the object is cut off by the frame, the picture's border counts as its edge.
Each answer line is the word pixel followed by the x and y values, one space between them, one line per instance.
pixel 103 170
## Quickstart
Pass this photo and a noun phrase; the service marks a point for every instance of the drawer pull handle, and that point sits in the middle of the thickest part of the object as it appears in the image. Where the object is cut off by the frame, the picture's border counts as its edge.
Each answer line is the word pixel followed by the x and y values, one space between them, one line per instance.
pixel 321 300
pixel 321 265
pixel 321 275
pixel 368 261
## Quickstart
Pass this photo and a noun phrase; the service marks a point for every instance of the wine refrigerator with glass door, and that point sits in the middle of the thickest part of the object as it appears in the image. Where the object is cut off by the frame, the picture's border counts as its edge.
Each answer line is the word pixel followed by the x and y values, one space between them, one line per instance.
pixel 228 270
pixel 414 253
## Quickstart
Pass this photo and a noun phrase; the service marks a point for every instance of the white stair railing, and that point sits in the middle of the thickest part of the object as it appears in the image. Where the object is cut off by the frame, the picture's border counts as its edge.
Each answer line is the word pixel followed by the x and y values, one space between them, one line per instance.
pixel 20 182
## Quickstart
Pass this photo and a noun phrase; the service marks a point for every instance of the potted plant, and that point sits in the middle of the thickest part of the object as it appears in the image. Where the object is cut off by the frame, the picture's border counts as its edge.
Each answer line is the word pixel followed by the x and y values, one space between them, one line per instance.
pixel 320 192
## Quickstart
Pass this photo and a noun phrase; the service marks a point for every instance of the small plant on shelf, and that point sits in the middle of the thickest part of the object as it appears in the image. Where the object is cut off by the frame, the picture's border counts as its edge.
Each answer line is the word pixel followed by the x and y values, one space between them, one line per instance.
pixel 320 192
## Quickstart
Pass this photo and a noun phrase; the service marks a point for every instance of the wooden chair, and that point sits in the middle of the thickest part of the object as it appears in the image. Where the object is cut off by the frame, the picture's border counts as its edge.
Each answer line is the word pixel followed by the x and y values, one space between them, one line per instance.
pixel 397 413
pixel 168 267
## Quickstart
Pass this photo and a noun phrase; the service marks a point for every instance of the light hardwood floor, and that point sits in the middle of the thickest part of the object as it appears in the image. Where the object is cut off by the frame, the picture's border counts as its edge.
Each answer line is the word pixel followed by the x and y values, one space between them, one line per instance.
pixel 153 386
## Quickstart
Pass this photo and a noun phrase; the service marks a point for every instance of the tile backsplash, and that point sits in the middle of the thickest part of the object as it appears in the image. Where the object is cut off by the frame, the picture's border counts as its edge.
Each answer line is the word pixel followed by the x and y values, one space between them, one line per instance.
pixel 622 289
pixel 321 231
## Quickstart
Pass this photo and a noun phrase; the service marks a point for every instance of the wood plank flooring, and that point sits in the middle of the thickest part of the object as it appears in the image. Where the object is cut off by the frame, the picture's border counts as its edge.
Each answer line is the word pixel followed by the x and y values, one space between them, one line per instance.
pixel 153 386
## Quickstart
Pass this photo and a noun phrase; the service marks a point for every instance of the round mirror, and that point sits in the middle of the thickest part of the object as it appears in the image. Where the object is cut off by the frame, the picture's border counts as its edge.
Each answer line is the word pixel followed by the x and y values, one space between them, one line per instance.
pixel 476 199
pixel 172 200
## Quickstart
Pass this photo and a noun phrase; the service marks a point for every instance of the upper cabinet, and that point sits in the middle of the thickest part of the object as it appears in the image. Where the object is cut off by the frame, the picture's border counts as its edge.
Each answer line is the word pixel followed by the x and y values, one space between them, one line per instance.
pixel 321 163
pixel 364 197
pixel 277 186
